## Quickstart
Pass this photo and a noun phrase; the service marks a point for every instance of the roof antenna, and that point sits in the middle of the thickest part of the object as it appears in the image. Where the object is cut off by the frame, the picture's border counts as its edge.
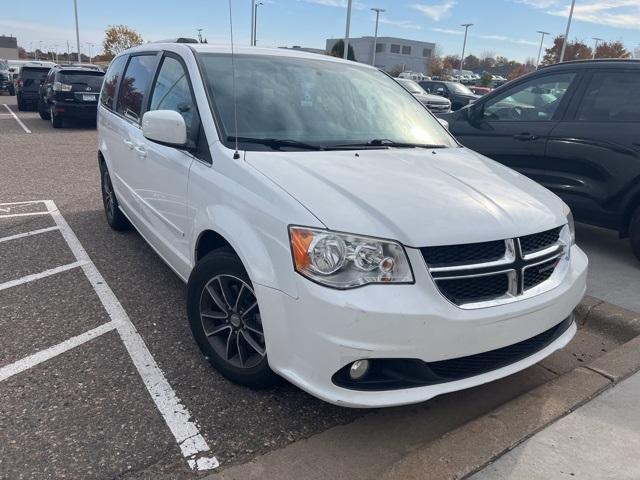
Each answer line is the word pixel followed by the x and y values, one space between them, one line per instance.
pixel 236 155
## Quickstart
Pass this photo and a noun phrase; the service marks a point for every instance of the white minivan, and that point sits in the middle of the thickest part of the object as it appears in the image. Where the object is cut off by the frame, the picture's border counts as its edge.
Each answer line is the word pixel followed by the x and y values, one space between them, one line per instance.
pixel 331 231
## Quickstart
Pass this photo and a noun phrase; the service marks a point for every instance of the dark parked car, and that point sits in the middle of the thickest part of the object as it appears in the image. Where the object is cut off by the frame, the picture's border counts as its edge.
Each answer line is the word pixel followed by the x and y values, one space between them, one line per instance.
pixel 434 103
pixel 573 127
pixel 28 84
pixel 458 94
pixel 6 80
pixel 70 92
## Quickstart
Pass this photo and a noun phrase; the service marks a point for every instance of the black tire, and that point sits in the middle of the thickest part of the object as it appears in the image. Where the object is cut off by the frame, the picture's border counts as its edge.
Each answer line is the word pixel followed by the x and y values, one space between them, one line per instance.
pixel 634 232
pixel 233 337
pixel 56 120
pixel 20 104
pixel 115 218
pixel 12 91
pixel 42 110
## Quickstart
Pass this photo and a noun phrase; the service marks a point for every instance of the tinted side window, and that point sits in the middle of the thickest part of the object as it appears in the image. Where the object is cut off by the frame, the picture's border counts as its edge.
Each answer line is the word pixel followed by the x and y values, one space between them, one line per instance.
pixel 134 85
pixel 611 97
pixel 107 96
pixel 171 91
pixel 535 100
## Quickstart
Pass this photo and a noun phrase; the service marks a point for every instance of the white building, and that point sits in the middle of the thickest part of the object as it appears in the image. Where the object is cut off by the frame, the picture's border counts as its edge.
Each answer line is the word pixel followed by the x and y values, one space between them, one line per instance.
pixel 8 48
pixel 391 52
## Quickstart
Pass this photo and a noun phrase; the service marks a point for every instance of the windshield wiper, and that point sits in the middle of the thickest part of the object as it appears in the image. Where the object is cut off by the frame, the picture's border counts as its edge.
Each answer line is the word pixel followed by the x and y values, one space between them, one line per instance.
pixel 384 142
pixel 276 143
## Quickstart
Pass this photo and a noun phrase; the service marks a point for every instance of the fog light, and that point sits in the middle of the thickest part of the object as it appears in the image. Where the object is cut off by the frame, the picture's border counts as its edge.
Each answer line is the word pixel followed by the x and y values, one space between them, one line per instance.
pixel 359 369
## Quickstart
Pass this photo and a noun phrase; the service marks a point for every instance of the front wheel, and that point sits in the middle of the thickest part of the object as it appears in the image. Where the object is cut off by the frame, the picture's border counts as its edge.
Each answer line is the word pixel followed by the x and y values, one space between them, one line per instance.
pixel 634 233
pixel 56 120
pixel 225 319
pixel 42 110
pixel 20 104
pixel 115 218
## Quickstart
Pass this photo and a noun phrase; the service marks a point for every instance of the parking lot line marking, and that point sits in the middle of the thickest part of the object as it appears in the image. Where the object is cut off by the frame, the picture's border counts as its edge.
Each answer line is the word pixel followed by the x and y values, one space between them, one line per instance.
pixel 24 127
pixel 28 202
pixel 47 354
pixel 38 276
pixel 30 214
pixel 187 434
pixel 27 234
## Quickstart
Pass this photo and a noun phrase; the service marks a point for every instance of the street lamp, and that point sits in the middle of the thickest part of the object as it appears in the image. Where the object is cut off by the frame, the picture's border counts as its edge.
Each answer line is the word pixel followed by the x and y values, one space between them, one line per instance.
pixel 566 35
pixel 541 42
pixel 375 35
pixel 90 52
pixel 199 34
pixel 595 47
pixel 255 23
pixel 464 44
pixel 75 9
pixel 346 35
pixel 253 20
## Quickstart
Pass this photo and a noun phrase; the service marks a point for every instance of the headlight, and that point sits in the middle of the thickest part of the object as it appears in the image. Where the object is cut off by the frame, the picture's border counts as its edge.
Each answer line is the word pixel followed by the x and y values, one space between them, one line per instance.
pixel 341 260
pixel 572 226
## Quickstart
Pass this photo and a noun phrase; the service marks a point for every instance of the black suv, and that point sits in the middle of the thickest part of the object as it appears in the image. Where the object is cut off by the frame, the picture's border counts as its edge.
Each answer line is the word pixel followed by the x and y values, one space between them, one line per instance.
pixel 573 127
pixel 458 94
pixel 6 80
pixel 70 92
pixel 28 85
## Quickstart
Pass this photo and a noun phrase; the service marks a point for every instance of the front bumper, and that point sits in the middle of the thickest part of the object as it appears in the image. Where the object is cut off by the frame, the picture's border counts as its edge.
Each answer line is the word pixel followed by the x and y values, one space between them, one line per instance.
pixel 311 337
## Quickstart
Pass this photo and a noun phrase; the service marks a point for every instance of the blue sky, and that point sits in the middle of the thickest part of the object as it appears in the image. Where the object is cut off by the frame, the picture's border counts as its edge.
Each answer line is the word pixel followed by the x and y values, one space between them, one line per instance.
pixel 503 27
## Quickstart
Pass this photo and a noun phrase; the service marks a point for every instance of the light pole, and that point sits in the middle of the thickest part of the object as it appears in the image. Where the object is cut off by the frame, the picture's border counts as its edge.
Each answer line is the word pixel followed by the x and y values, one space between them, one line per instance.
pixel 541 42
pixel 37 55
pixel 346 35
pixel 464 44
pixel 255 23
pixel 595 47
pixel 566 35
pixel 375 35
pixel 253 20
pixel 199 35
pixel 75 9
pixel 90 52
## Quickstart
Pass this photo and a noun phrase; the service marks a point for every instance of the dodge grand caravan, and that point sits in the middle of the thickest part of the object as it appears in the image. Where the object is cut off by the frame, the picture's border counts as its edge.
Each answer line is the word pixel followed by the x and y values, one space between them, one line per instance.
pixel 330 230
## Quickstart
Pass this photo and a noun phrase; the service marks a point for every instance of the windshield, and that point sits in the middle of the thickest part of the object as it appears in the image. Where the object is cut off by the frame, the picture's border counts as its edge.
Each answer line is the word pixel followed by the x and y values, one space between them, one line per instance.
pixel 410 85
pixel 31 77
pixel 82 80
pixel 459 88
pixel 317 102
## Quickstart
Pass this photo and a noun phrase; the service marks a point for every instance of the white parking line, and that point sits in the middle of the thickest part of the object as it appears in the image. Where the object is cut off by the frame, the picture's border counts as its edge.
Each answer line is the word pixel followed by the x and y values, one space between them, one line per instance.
pixel 47 354
pixel 38 276
pixel 24 127
pixel 27 234
pixel 191 442
pixel 30 214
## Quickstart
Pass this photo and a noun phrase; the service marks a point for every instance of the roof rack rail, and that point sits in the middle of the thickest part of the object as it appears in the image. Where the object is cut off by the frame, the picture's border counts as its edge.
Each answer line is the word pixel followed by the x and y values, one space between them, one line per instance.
pixel 178 40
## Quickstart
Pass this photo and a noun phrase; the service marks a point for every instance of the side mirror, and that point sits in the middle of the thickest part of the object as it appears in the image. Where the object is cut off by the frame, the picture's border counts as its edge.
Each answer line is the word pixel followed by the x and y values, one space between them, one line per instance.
pixel 165 126
pixel 444 123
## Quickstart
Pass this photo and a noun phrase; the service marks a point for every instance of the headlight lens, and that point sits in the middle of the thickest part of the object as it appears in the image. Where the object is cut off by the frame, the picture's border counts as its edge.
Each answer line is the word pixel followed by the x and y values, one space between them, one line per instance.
pixel 570 222
pixel 342 260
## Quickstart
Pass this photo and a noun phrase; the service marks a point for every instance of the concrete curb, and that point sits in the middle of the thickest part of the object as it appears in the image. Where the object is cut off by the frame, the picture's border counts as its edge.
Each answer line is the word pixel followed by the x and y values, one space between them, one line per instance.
pixel 467 449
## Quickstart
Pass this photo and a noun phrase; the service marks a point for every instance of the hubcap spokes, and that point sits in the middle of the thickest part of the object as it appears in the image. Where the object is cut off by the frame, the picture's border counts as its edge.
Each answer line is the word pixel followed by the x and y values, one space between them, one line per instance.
pixel 107 193
pixel 231 320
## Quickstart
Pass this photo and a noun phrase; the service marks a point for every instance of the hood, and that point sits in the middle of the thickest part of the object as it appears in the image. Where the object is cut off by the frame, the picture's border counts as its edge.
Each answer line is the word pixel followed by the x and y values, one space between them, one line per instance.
pixel 416 196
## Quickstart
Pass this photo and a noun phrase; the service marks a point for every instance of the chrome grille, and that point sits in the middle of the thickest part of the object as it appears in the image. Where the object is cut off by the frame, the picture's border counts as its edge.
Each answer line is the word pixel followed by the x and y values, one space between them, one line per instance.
pixel 491 273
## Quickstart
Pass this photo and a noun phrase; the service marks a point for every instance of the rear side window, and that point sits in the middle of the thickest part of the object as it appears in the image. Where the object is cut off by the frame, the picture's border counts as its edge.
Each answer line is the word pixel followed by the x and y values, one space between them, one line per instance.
pixel 611 97
pixel 134 85
pixel 107 97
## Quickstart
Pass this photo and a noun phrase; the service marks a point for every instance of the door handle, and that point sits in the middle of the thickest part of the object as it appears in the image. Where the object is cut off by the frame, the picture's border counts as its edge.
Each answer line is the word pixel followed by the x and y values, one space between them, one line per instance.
pixel 141 151
pixel 525 137
pixel 129 144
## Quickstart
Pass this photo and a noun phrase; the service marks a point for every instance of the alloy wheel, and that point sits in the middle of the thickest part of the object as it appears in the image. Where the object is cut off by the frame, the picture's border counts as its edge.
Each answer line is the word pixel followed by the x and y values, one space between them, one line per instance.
pixel 231 321
pixel 108 196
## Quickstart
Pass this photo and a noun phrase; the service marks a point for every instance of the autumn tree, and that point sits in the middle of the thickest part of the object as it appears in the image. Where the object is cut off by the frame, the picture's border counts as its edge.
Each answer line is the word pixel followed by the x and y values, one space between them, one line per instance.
pixel 471 62
pixel 118 38
pixel 612 50
pixel 451 63
pixel 517 71
pixel 576 50
pixel 435 66
pixel 338 51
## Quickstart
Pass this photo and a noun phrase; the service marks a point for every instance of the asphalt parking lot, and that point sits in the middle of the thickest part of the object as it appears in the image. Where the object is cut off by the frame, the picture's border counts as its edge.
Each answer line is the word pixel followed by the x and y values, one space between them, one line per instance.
pixel 99 376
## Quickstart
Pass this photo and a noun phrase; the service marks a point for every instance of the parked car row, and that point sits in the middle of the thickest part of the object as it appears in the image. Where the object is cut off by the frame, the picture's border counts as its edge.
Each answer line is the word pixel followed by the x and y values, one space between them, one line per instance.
pixel 435 103
pixel 59 92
